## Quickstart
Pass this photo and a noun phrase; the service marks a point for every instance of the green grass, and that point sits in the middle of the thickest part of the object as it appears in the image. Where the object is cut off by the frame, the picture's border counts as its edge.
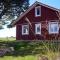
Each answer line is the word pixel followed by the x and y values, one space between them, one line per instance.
pixel 50 55
pixel 30 57
pixel 8 39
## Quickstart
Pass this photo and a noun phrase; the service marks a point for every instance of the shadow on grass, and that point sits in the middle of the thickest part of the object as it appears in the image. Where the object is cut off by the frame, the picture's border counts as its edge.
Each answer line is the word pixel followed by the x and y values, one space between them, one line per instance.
pixel 23 48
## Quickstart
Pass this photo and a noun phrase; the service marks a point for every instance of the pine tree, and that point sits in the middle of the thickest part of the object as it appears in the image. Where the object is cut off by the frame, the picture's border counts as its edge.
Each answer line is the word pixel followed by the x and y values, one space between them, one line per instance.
pixel 12 8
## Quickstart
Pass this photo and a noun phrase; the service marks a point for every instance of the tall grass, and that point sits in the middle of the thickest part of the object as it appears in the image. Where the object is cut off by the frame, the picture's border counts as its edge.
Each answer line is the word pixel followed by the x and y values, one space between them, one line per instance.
pixel 29 50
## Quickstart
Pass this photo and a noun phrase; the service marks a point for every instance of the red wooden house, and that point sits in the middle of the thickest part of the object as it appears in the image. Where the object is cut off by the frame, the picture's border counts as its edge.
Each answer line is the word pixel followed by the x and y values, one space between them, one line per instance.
pixel 39 22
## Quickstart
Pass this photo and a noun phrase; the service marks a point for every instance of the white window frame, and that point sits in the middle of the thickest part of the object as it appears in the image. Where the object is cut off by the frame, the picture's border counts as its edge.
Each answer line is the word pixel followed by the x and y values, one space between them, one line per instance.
pixel 36 11
pixel 23 30
pixel 36 25
pixel 50 32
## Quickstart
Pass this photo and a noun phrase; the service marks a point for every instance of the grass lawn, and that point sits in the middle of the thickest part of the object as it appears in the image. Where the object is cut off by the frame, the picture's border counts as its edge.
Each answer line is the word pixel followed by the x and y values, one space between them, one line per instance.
pixel 51 56
pixel 8 39
pixel 30 57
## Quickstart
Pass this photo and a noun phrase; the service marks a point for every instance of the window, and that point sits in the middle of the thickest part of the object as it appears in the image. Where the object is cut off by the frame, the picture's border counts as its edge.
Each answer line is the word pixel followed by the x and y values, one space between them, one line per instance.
pixel 38 28
pixel 53 27
pixel 38 11
pixel 25 29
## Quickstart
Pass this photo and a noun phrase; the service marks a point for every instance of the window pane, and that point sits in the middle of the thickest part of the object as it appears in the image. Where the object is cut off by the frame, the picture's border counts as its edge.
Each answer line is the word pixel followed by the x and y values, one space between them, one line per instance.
pixel 38 28
pixel 38 11
pixel 53 27
pixel 25 29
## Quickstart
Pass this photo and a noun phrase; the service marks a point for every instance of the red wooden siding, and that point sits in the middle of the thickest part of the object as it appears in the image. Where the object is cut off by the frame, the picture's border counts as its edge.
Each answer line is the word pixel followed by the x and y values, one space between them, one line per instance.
pixel 46 16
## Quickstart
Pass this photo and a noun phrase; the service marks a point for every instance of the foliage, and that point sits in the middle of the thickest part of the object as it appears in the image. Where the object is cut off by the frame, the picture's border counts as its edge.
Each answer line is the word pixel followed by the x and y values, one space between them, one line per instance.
pixel 1 27
pixel 11 9
pixel 32 48
pixel 12 5
pixel 35 47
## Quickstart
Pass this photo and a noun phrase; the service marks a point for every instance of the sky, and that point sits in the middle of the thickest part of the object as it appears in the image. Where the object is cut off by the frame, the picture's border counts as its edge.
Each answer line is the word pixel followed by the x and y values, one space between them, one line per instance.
pixel 12 31
pixel 53 3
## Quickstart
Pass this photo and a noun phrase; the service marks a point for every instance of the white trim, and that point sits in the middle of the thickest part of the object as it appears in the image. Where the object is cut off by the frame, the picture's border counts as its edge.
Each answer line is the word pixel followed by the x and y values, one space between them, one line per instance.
pixel 38 7
pixel 57 27
pixel 36 25
pixel 23 29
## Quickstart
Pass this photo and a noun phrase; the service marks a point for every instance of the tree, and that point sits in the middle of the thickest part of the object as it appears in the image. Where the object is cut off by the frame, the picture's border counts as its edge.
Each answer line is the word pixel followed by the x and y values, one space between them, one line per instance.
pixel 10 9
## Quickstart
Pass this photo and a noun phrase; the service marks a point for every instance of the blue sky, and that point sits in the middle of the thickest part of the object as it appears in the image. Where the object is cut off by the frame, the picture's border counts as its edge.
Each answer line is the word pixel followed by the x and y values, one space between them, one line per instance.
pixel 53 3
pixel 12 32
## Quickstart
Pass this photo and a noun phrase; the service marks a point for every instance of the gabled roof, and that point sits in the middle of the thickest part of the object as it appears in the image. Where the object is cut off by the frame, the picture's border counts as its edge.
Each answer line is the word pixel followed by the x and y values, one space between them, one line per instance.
pixel 30 8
